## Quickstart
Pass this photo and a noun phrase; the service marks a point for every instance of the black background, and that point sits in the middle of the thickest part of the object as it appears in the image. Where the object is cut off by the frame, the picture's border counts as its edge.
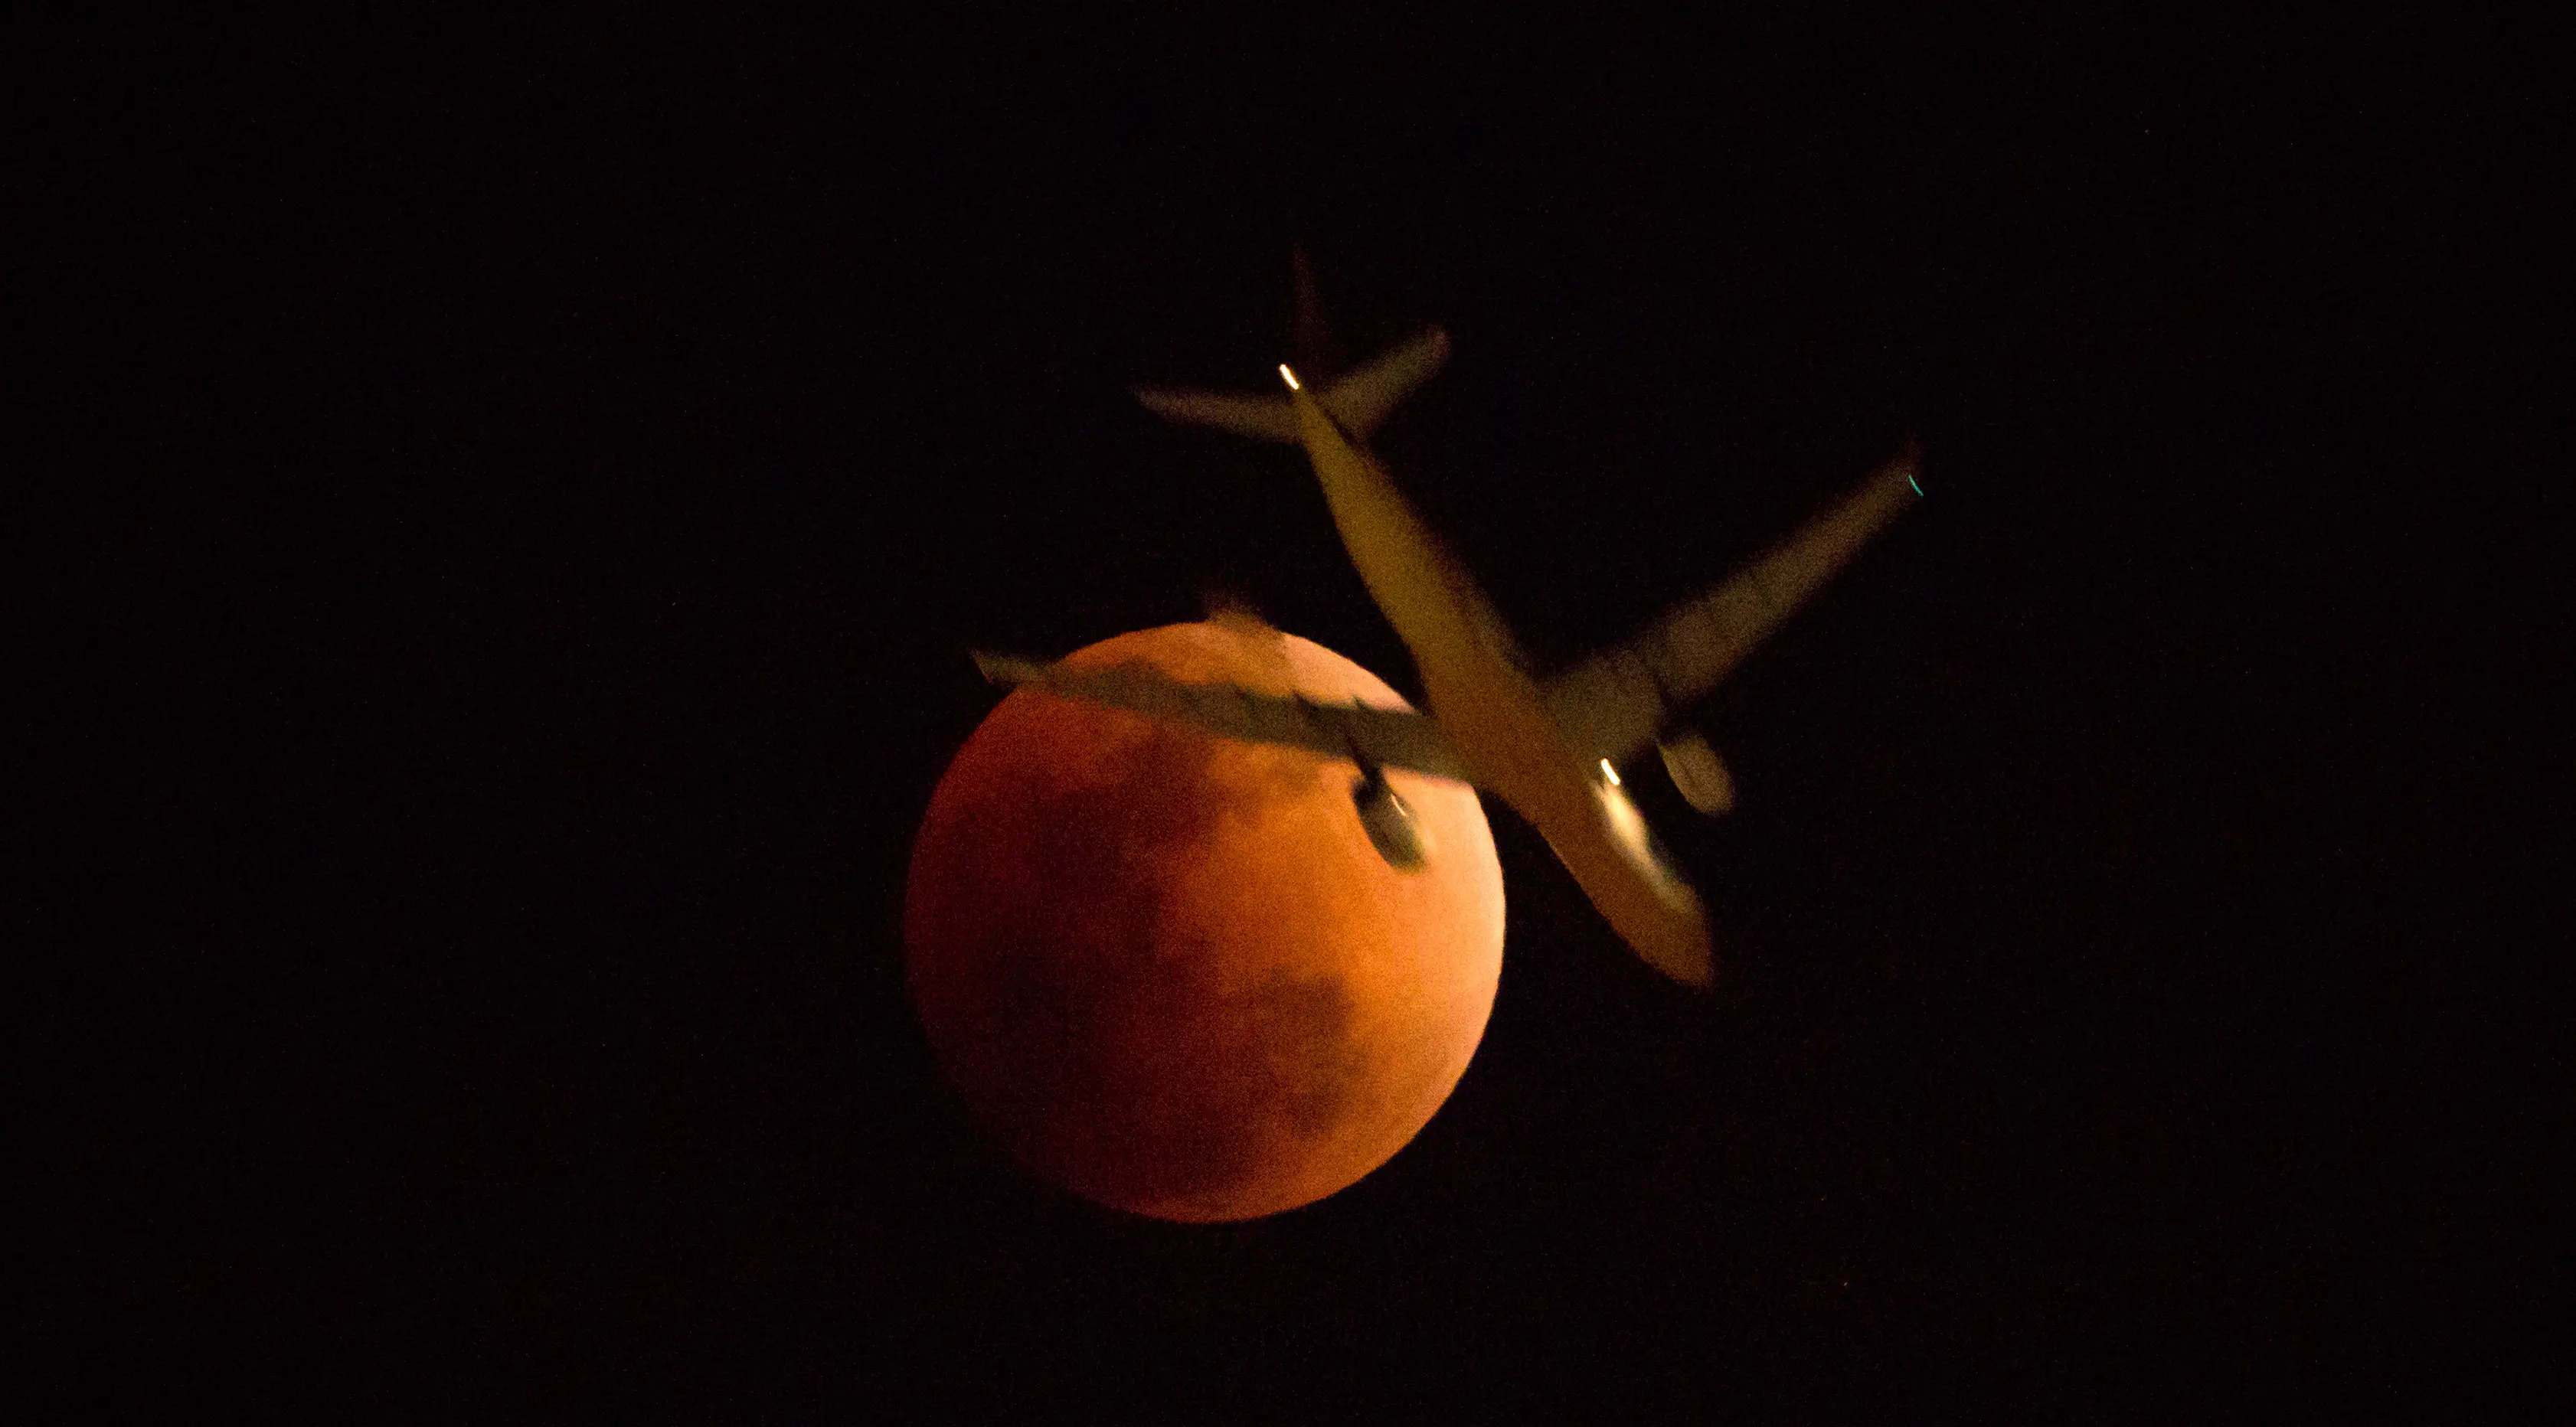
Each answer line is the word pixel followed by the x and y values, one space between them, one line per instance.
pixel 528 492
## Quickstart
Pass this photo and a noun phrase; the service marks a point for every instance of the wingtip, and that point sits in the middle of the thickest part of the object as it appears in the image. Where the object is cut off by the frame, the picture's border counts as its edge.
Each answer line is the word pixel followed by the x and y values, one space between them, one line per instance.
pixel 1434 343
pixel 1907 465
pixel 1005 669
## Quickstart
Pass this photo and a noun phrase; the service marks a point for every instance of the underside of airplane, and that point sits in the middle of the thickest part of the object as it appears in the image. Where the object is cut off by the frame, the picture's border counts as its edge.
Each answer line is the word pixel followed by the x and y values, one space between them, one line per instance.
pixel 1551 748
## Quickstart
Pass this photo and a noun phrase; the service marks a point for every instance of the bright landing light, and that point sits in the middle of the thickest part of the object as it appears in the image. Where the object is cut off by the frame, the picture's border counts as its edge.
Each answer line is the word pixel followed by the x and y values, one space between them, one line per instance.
pixel 1609 772
pixel 1290 376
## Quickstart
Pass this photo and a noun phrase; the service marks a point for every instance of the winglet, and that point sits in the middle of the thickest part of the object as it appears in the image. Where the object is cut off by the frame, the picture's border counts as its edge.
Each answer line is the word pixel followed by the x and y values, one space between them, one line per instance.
pixel 1008 669
pixel 1909 459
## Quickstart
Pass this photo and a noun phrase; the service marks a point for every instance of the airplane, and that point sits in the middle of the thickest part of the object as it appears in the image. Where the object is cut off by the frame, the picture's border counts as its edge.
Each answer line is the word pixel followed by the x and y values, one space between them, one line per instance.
pixel 1550 749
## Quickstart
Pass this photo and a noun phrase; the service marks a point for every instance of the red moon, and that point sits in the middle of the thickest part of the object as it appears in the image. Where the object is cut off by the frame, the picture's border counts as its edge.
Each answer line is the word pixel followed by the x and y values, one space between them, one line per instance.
pixel 1168 969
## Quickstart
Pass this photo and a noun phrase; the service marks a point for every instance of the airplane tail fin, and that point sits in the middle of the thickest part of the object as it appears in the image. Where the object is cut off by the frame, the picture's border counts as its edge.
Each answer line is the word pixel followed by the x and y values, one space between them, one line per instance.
pixel 1308 343
pixel 1359 400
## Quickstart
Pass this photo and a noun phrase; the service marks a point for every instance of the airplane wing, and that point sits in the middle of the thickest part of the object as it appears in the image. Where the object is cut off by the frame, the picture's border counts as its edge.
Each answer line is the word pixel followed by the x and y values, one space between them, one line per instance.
pixel 1392 738
pixel 1614 704
pixel 1360 400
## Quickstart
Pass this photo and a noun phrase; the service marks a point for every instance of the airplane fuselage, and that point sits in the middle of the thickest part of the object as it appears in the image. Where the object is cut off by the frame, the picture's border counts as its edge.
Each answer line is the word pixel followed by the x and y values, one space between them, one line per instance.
pixel 1493 712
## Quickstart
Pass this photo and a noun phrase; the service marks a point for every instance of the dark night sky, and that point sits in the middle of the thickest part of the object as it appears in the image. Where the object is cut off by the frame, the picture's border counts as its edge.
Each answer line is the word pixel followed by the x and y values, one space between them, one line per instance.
pixel 528 494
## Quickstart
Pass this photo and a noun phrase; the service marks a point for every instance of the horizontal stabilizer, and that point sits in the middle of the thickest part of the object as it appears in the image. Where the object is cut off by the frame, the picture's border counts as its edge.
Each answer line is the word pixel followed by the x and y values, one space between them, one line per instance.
pixel 1360 400
pixel 1263 418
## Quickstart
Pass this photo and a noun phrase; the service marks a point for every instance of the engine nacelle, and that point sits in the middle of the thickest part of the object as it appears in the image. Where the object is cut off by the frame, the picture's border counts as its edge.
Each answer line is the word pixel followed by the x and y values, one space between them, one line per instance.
pixel 1698 773
pixel 1390 825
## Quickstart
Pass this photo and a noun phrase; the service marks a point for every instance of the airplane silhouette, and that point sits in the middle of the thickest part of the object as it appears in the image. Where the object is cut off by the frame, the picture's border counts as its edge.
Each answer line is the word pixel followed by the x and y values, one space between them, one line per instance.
pixel 1551 748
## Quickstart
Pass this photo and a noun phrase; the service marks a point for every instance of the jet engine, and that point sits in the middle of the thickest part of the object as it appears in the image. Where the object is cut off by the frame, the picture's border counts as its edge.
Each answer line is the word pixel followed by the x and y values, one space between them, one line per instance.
pixel 1390 824
pixel 1698 773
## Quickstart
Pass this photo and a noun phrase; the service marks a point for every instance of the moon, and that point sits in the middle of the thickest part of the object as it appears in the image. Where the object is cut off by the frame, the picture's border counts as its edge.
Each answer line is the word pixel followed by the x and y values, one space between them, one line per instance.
pixel 1168 970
